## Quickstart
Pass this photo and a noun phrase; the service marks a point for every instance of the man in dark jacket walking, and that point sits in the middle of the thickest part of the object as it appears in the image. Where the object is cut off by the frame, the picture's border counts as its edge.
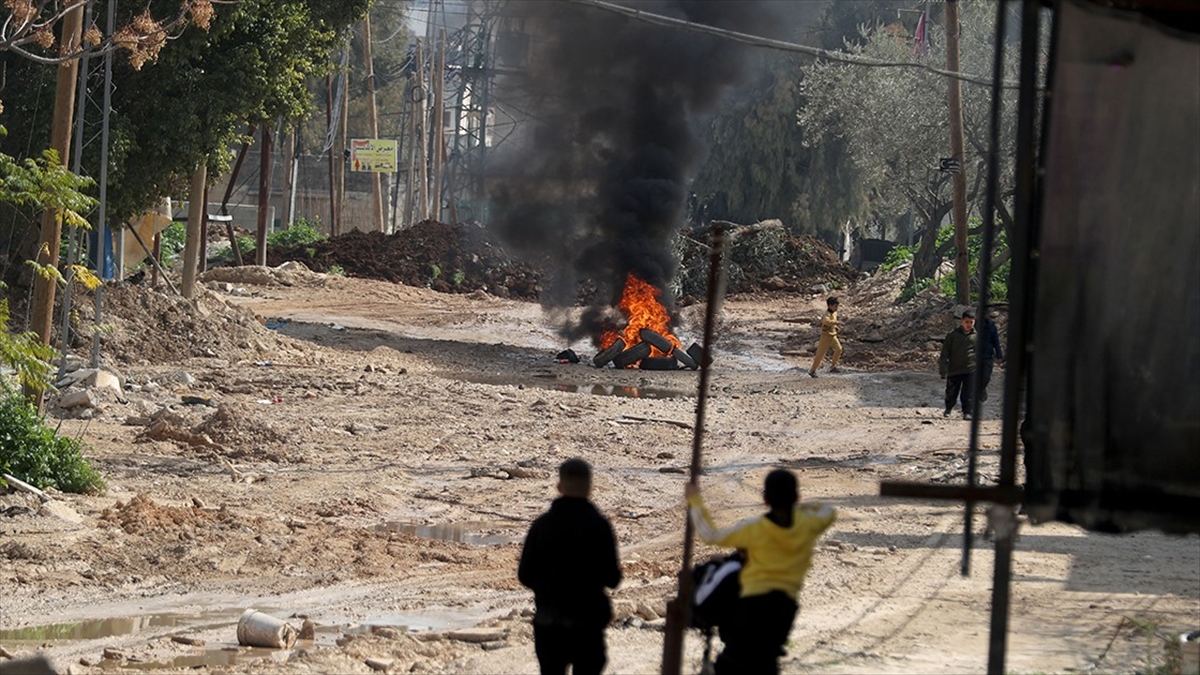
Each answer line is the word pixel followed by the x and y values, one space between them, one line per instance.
pixel 569 558
pixel 957 364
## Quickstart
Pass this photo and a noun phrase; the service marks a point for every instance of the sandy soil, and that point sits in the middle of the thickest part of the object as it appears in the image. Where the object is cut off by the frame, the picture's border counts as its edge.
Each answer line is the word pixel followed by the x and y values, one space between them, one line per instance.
pixel 370 462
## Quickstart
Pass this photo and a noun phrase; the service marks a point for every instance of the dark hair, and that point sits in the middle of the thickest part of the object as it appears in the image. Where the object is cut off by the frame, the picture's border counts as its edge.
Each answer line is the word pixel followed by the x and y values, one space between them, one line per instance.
pixel 780 489
pixel 575 476
pixel 968 313
pixel 832 300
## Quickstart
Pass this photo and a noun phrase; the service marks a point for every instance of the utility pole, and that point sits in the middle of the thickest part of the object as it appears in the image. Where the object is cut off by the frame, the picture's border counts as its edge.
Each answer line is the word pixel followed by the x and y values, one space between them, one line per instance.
pixel 60 140
pixel 341 152
pixel 333 219
pixel 958 178
pixel 422 123
pixel 414 93
pixel 373 117
pixel 289 185
pixel 439 126
pixel 264 196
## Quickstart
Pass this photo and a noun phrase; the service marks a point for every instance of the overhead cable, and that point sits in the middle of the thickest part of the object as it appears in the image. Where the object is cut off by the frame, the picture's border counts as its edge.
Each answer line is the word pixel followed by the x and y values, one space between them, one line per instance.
pixel 759 41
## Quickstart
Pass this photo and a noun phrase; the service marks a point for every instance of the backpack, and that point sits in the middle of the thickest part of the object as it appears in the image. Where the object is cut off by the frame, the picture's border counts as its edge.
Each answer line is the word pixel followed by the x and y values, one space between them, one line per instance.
pixel 717 587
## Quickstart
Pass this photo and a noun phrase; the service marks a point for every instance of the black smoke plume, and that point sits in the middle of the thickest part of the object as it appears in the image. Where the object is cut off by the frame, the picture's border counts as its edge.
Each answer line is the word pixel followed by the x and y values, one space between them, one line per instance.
pixel 597 188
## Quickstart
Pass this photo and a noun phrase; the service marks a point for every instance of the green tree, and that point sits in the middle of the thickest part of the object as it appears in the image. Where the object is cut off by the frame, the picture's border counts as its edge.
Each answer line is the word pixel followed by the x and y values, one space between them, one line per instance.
pixel 894 124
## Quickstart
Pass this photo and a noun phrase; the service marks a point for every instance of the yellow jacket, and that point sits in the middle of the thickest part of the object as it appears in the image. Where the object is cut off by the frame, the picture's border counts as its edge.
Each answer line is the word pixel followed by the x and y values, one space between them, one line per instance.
pixel 829 324
pixel 777 558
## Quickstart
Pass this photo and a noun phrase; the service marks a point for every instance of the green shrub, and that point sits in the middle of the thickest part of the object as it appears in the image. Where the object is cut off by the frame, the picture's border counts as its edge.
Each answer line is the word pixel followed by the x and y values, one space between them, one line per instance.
pixel 173 240
pixel 301 232
pixel 997 285
pixel 36 454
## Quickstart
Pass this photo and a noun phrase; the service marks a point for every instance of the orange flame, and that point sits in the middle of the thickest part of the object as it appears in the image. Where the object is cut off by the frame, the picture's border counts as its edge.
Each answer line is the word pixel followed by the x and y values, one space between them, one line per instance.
pixel 639 302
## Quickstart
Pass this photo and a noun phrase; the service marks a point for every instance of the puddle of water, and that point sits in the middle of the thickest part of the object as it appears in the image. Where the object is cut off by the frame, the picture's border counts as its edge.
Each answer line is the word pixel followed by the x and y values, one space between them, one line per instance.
pixel 463 533
pixel 551 382
pixel 228 656
pixel 95 629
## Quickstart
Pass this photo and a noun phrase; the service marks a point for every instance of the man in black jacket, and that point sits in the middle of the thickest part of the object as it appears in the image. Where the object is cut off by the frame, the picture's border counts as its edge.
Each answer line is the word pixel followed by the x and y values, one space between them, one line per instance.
pixel 569 558
pixel 956 364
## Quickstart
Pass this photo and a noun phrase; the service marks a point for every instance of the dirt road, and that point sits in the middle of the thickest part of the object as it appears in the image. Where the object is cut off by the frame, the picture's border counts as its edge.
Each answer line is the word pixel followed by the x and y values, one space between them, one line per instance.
pixel 371 460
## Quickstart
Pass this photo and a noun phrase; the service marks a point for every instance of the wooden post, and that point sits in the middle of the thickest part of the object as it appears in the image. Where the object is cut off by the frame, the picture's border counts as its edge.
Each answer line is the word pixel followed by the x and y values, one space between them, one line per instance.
pixel 264 197
pixel 341 149
pixel 410 174
pixel 289 180
pixel 42 319
pixel 373 120
pixel 679 609
pixel 196 215
pixel 438 128
pixel 422 122
pixel 333 219
pixel 958 178
pixel 157 255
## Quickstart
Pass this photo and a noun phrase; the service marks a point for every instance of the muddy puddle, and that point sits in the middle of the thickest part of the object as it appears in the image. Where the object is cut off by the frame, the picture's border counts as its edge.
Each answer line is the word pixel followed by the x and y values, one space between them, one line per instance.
pixel 154 629
pixel 477 534
pixel 552 383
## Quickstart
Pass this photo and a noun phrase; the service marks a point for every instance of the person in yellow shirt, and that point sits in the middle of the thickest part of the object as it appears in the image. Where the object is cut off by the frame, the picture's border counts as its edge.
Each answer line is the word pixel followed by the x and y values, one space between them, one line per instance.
pixel 829 339
pixel 779 547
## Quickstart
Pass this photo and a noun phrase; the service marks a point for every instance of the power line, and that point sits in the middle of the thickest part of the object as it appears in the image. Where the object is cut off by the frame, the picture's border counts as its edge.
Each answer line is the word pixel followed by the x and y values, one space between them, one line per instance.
pixel 759 41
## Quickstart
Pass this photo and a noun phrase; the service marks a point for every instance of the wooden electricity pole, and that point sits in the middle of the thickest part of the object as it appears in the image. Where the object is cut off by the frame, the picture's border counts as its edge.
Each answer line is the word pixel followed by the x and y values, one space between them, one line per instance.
pixel 264 197
pixel 958 177
pixel 334 230
pixel 422 122
pixel 438 129
pixel 373 118
pixel 42 318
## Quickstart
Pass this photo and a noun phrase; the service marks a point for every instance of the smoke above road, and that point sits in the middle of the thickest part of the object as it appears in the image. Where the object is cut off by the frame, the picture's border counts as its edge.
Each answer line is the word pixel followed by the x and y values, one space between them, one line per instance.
pixel 595 187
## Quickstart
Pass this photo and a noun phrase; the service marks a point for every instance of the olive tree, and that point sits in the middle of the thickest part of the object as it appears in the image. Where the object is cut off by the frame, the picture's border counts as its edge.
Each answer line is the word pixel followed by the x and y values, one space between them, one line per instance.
pixel 894 124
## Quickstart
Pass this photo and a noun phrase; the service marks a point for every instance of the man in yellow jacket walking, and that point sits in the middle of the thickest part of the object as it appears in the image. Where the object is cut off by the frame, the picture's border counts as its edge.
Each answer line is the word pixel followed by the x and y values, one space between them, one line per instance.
pixel 779 547
pixel 829 339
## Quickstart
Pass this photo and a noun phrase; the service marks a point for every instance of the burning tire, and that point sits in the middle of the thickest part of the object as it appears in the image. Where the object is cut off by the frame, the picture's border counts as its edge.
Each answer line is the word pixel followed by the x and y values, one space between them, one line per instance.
pixel 632 355
pixel 607 355
pixel 659 363
pixel 656 340
pixel 697 354
pixel 684 358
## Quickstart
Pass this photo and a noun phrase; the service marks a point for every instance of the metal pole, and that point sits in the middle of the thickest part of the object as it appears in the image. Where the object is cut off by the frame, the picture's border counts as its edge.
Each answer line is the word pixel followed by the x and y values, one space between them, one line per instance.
pixel 985 265
pixel 64 331
pixel 958 178
pixel 679 609
pixel 102 218
pixel 1019 325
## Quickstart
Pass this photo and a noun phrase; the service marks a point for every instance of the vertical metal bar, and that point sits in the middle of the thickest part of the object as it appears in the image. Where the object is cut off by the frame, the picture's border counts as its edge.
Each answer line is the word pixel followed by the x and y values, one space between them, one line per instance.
pixel 985 266
pixel 1019 322
pixel 678 610
pixel 102 218
pixel 64 331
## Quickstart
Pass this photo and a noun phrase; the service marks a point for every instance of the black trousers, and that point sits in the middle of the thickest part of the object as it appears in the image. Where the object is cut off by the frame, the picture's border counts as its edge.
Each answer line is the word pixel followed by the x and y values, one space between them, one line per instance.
pixel 959 386
pixel 757 638
pixel 988 366
pixel 557 646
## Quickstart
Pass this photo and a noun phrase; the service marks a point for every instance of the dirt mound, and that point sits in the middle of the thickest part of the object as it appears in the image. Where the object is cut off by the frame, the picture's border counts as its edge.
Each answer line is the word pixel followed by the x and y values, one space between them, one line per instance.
pixel 142 515
pixel 447 258
pixel 466 258
pixel 142 325
pixel 236 426
pixel 765 257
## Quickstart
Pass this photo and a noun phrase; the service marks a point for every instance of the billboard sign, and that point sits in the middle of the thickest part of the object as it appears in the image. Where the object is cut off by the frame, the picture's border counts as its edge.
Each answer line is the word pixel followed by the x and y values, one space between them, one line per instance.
pixel 373 154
